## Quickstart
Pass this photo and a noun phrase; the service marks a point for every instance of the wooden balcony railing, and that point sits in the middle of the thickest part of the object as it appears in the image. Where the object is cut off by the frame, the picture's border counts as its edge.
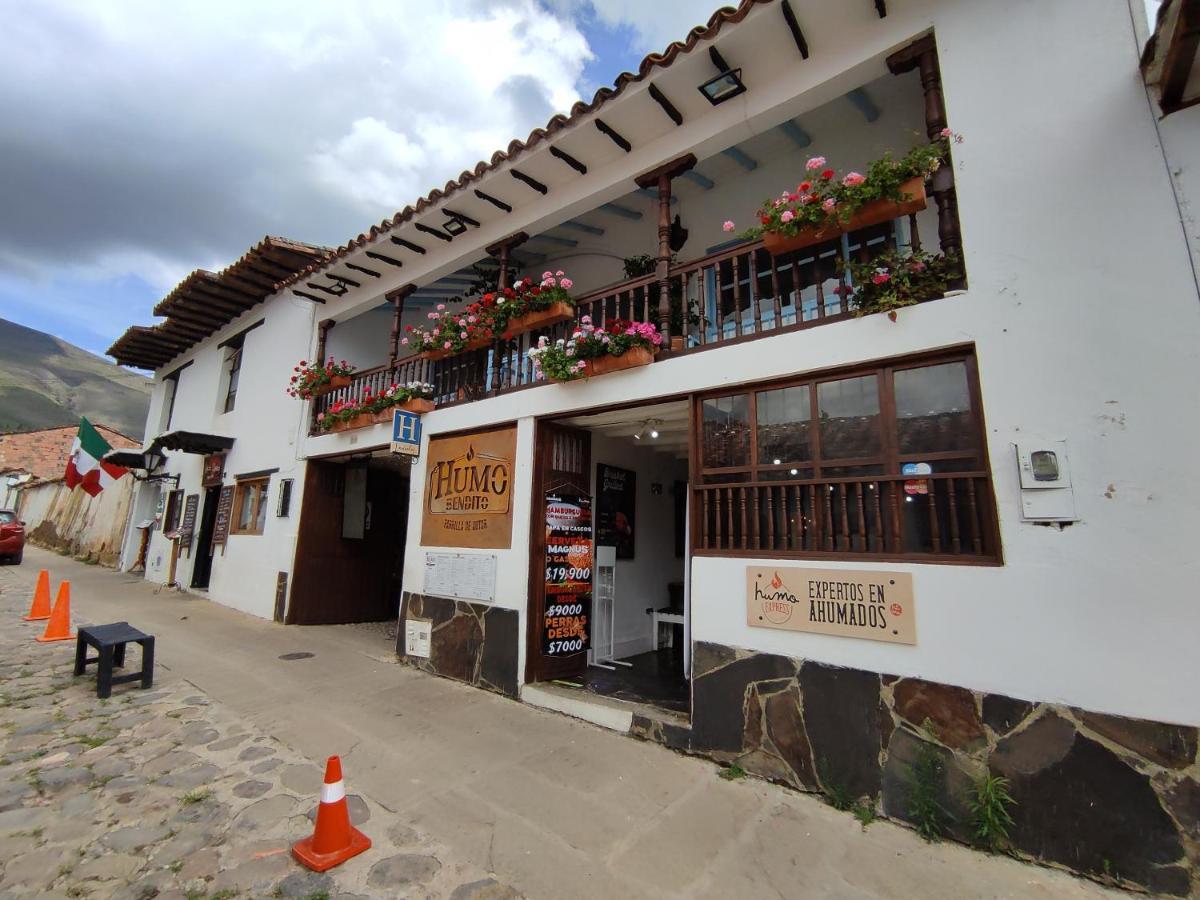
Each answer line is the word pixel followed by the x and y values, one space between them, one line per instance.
pixel 737 294
pixel 941 515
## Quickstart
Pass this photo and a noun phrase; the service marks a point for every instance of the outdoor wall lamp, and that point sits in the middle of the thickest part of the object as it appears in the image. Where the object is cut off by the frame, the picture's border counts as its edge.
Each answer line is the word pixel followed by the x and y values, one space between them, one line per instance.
pixel 723 87
pixel 148 460
pixel 454 226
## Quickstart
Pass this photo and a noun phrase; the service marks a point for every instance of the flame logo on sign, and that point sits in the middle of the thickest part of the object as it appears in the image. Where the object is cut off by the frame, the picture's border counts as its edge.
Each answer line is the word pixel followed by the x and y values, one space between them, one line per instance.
pixel 776 582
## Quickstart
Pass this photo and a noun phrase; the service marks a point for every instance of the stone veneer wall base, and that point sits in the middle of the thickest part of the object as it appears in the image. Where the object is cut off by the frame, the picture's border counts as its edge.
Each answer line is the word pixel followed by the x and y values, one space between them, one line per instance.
pixel 1108 797
pixel 470 642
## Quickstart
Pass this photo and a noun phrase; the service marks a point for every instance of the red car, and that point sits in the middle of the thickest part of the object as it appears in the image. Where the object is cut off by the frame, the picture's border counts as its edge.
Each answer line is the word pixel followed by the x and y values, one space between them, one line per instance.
pixel 12 536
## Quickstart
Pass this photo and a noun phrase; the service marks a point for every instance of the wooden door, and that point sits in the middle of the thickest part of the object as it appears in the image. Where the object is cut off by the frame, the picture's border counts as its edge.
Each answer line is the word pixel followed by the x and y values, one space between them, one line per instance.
pixel 562 463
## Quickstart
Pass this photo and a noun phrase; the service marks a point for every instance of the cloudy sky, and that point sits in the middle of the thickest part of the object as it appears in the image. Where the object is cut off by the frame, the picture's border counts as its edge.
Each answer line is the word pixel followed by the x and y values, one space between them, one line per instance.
pixel 144 139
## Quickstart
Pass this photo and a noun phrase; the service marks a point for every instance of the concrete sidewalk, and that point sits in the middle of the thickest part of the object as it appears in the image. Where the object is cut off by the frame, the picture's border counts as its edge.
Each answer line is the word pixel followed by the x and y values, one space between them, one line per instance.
pixel 553 806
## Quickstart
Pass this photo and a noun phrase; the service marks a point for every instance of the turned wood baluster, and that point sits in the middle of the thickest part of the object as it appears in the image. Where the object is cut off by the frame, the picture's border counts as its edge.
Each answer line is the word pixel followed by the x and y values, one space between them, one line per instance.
pixel 827 490
pixel 844 542
pixel 935 528
pixel 704 519
pixel 894 502
pixel 737 295
pixel 862 516
pixel 777 308
pixel 754 297
pixel 741 493
pixel 973 511
pixel 729 517
pixel 771 518
pixel 955 542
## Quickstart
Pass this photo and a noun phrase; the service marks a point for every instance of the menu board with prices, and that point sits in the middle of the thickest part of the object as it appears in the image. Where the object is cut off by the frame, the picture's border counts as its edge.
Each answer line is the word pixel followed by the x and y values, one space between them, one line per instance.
pixel 224 511
pixel 461 576
pixel 187 528
pixel 568 574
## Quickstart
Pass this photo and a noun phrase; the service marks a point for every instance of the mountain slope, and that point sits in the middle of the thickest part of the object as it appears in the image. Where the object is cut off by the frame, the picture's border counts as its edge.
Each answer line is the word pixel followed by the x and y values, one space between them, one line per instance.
pixel 45 381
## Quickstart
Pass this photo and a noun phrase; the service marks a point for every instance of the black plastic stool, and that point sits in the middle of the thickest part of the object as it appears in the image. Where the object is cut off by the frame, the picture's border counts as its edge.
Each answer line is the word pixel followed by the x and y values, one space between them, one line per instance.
pixel 110 641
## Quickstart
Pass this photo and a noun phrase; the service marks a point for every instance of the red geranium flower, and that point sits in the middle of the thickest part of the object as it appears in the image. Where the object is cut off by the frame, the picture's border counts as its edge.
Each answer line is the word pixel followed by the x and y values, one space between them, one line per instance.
pixel 827 174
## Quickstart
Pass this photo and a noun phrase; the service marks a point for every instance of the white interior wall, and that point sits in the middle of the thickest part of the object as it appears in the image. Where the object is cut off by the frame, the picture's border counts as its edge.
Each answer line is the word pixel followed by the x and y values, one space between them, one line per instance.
pixel 641 582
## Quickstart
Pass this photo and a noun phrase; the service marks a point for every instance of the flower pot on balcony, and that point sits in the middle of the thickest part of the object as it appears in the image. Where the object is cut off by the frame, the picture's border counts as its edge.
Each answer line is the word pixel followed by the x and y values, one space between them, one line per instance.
pixel 874 213
pixel 559 311
pixel 335 382
pixel 476 344
pixel 630 359
pixel 418 405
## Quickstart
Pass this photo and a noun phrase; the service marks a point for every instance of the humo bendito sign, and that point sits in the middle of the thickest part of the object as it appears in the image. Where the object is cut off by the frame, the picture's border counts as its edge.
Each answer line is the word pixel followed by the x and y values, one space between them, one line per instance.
pixel 468 490
pixel 876 606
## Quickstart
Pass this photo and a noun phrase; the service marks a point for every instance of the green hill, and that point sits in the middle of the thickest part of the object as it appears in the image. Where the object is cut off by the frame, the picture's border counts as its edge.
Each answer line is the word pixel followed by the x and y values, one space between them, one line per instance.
pixel 45 381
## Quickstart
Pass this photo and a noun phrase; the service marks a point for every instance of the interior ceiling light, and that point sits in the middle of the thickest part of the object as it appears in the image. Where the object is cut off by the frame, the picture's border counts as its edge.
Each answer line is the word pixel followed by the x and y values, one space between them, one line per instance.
pixel 650 427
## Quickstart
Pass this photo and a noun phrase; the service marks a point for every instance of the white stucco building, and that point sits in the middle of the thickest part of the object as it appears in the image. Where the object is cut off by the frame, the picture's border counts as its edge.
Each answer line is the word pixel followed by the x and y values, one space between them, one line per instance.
pixel 1054 626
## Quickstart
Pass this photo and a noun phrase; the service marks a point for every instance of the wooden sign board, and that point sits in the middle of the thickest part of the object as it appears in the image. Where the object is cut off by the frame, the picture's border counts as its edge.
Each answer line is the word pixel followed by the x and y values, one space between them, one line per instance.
pixel 875 606
pixel 214 470
pixel 224 511
pixel 468 490
pixel 187 527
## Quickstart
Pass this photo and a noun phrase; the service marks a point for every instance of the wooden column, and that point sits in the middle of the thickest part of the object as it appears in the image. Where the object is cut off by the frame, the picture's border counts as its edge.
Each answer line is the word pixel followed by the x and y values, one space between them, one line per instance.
pixel 922 55
pixel 501 250
pixel 323 328
pixel 660 179
pixel 397 298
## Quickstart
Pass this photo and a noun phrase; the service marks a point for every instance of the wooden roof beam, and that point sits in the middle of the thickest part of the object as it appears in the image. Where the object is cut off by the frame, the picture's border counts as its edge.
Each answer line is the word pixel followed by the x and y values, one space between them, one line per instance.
pixel 499 204
pixel 569 160
pixel 385 259
pixel 532 182
pixel 667 106
pixel 613 135
pixel 794 27
pixel 408 245
pixel 436 232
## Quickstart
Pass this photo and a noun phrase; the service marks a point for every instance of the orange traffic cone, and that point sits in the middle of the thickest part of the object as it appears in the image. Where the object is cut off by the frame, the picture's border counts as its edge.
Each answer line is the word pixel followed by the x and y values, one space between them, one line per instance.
pixel 59 626
pixel 335 840
pixel 40 609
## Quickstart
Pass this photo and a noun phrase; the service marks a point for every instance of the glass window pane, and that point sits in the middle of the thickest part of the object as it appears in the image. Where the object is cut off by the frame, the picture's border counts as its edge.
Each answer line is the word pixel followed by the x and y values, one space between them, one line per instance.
pixel 726 431
pixel 261 519
pixel 933 409
pixel 784 419
pixel 849 412
pixel 245 511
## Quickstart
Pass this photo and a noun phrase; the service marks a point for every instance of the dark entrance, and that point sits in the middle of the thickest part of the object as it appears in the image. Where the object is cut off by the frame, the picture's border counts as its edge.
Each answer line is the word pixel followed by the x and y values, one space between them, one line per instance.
pixel 202 567
pixel 350 549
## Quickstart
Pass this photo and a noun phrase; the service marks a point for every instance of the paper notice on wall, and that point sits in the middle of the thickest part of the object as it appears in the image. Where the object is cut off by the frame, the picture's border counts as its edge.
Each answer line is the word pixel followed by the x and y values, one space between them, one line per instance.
pixel 461 576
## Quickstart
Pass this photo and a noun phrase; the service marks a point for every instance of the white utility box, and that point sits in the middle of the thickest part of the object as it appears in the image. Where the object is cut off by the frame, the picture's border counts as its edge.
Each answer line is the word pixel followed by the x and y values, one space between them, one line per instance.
pixel 1046 491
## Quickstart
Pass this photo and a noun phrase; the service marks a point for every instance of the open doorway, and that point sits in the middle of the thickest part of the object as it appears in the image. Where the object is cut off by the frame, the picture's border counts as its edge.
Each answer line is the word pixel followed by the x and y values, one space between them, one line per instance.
pixel 631 466
pixel 350 549
pixel 202 567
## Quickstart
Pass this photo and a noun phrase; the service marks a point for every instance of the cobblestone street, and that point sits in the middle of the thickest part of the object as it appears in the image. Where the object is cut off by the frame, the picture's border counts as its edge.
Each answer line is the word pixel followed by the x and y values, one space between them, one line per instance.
pixel 167 793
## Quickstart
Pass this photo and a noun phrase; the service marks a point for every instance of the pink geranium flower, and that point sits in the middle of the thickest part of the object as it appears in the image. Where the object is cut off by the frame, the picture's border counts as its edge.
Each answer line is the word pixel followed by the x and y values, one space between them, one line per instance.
pixel 815 163
pixel 853 179
pixel 787 216
pixel 829 205
pixel 728 226
pixel 566 283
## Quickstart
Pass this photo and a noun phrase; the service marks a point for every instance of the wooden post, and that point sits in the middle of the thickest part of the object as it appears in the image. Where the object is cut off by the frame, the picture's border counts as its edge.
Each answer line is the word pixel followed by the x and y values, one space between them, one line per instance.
pixel 922 55
pixel 323 328
pixel 660 178
pixel 397 298
pixel 501 250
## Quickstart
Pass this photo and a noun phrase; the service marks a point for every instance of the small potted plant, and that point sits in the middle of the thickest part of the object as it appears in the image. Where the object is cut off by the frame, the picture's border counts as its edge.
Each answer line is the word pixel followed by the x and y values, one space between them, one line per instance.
pixel 528 306
pixel 892 281
pixel 415 397
pixel 311 380
pixel 824 206
pixel 594 351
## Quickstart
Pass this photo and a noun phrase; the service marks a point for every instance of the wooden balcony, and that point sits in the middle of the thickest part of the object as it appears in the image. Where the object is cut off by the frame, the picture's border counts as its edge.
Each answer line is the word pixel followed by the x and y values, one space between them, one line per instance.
pixel 738 294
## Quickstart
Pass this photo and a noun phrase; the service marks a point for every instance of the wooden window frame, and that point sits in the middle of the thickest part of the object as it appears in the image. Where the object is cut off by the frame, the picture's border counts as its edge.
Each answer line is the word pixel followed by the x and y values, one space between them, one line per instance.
pixel 233 371
pixel 889 457
pixel 261 487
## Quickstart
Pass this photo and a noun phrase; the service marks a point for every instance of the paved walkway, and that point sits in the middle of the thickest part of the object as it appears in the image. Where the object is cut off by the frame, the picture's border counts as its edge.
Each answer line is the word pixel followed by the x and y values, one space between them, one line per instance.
pixel 496 793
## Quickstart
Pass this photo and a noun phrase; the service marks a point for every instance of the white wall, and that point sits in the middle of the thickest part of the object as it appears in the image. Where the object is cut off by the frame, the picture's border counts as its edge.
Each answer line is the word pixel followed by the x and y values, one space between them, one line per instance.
pixel 641 582
pixel 63 519
pixel 266 425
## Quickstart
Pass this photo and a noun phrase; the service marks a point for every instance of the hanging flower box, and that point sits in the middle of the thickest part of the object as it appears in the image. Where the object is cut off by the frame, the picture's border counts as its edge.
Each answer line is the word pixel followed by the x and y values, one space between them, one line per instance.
pixel 630 359
pixel 874 213
pixel 556 312
pixel 417 405
pixel 362 420
pixel 336 382
pixel 476 344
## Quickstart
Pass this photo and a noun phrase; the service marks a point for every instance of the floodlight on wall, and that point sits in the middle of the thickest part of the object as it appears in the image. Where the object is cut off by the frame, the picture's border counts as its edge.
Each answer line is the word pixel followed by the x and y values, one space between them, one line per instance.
pixel 454 226
pixel 723 87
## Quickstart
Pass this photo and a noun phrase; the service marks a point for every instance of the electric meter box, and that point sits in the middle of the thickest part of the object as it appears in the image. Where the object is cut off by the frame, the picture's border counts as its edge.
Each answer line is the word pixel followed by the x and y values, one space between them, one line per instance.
pixel 1045 474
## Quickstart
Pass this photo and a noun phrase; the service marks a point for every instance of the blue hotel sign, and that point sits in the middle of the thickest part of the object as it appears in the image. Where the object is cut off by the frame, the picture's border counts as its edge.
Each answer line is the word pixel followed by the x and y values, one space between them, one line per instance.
pixel 406 433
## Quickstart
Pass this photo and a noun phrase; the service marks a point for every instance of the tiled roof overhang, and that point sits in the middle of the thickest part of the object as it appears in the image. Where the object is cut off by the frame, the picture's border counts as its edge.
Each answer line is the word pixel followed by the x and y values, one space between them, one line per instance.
pixel 1171 58
pixel 648 67
pixel 205 302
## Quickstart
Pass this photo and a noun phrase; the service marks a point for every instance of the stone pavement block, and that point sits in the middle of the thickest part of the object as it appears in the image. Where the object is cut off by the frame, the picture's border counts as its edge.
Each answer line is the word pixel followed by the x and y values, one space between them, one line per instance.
pixel 266 815
pixel 484 889
pixel 713 814
pixel 403 870
pixel 303 780
pixel 107 868
pixel 135 837
pixel 34 869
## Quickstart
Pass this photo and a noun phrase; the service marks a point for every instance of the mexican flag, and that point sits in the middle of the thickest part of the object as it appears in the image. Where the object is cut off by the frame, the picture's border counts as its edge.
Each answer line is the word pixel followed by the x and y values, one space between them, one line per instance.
pixel 86 464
